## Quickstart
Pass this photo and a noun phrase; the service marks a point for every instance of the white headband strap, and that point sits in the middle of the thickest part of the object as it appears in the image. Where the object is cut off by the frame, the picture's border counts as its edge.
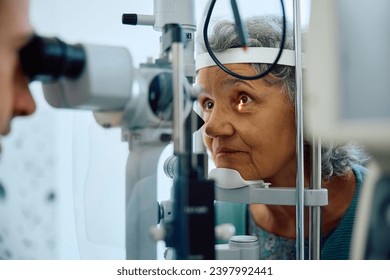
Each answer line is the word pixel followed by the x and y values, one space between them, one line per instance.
pixel 251 55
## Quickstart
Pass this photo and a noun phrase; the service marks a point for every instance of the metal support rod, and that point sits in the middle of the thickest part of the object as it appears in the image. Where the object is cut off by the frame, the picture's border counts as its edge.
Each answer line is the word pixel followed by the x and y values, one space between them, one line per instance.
pixel 179 139
pixel 315 211
pixel 300 217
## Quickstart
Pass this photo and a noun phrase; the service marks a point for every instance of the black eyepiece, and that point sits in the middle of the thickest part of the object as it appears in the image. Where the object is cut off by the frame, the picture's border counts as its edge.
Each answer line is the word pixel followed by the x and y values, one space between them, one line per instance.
pixel 48 59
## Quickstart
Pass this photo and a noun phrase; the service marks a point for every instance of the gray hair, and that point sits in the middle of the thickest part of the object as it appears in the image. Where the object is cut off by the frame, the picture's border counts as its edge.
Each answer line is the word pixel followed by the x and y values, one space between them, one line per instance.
pixel 265 31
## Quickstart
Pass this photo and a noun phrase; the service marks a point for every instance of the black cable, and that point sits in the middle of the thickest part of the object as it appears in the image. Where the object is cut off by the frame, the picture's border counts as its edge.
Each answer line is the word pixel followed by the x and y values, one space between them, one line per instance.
pixel 220 65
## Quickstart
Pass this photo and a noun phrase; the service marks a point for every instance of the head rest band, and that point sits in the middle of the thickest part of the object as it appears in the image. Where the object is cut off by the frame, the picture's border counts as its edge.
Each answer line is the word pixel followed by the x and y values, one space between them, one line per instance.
pixel 251 55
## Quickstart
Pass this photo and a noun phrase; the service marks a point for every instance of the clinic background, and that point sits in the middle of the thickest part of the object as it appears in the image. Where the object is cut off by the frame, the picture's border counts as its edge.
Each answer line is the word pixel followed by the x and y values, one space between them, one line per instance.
pixel 63 175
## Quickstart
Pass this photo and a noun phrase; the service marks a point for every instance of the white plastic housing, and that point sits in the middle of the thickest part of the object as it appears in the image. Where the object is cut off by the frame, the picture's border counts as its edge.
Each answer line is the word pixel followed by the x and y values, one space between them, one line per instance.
pixel 104 85
pixel 347 87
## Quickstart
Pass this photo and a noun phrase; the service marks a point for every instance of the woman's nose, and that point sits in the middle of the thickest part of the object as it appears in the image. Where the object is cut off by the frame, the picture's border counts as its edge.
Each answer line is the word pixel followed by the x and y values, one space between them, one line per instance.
pixel 218 123
pixel 24 103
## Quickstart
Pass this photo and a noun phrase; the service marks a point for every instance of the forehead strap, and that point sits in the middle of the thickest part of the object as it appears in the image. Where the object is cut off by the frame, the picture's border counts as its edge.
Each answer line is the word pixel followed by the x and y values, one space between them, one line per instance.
pixel 250 55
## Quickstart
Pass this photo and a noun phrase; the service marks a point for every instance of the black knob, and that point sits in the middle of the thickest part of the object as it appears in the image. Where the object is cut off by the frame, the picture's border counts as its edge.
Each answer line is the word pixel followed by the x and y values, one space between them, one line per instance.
pixel 130 19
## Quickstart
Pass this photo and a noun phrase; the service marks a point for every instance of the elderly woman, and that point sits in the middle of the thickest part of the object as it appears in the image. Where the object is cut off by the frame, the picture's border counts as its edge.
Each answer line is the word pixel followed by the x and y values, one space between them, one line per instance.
pixel 250 127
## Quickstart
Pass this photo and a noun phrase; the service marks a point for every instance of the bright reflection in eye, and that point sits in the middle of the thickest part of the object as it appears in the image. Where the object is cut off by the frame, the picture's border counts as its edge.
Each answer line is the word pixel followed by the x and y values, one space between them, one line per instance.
pixel 244 101
pixel 208 105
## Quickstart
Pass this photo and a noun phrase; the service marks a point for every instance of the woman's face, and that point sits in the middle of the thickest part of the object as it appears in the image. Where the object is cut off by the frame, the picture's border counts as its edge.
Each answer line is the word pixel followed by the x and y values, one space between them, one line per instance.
pixel 249 125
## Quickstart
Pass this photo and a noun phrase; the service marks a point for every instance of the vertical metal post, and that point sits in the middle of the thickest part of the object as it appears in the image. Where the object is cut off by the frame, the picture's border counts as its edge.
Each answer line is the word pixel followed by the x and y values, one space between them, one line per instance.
pixel 300 217
pixel 179 117
pixel 315 211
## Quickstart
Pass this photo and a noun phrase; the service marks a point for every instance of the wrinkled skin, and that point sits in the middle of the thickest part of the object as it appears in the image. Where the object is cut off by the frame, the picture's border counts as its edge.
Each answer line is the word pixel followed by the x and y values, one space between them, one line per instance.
pixel 249 125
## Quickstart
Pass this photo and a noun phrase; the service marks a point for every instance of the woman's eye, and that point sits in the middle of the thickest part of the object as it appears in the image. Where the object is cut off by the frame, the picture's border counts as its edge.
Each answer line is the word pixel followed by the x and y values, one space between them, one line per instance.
pixel 208 105
pixel 244 100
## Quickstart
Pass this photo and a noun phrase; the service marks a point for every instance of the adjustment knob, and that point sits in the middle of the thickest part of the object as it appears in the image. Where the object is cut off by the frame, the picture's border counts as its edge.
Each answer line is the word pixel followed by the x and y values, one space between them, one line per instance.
pixel 225 231
pixel 130 19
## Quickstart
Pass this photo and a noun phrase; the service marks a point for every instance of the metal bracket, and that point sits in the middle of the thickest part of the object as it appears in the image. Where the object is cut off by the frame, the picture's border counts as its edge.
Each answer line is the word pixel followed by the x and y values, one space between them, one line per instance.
pixel 257 194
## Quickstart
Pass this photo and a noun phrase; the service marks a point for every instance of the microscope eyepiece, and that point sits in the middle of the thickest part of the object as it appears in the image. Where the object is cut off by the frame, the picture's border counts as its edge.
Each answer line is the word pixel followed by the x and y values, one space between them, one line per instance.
pixel 48 59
